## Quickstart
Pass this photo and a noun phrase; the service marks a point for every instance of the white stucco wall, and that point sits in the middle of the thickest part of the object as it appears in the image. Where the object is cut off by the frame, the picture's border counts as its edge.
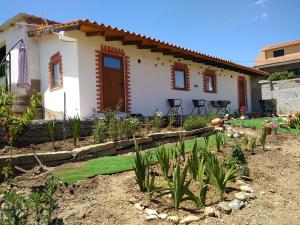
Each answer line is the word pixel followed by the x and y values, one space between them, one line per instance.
pixel 9 37
pixel 150 84
pixel 54 99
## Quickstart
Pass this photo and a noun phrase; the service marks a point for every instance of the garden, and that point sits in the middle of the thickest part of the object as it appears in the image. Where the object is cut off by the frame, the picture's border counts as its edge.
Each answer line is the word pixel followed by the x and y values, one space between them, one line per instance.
pixel 246 172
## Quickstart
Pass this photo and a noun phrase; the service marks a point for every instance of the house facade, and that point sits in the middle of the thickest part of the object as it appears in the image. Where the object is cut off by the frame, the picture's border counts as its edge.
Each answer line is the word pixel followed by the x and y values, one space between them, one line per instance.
pixel 83 67
pixel 280 57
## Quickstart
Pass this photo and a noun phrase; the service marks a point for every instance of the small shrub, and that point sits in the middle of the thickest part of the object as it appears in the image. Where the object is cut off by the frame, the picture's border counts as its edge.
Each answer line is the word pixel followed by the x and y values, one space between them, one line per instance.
pixel 281 76
pixel 252 145
pixel 163 160
pixel 229 162
pixel 76 130
pixel 245 171
pixel 129 127
pixel 238 154
pixel 100 134
pixel 195 122
pixel 263 138
pixel 157 121
pixel 218 177
pixel 114 127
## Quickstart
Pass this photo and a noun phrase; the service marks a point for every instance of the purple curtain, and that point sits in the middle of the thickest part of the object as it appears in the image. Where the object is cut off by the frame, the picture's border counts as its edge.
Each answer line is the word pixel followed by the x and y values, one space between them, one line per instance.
pixel 23 81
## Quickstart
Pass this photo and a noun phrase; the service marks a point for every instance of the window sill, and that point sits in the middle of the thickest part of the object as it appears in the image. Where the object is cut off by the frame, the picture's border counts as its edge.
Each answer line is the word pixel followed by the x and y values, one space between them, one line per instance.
pixel 180 89
pixel 55 88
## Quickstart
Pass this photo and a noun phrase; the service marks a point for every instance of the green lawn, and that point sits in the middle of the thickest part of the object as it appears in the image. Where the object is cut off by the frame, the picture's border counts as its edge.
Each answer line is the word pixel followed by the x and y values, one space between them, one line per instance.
pixel 114 164
pixel 258 123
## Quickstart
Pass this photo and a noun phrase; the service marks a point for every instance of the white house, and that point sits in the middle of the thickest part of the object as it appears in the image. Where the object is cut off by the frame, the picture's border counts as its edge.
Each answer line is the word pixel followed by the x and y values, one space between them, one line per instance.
pixel 81 67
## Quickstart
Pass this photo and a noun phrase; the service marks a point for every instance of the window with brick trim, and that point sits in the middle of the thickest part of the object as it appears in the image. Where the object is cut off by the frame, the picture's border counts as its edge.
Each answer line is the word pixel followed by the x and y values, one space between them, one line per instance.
pixel 55 71
pixel 180 77
pixel 209 81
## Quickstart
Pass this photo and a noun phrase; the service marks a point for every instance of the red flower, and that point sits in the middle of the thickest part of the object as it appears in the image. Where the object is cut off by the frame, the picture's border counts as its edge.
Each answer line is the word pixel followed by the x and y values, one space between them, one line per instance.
pixel 243 108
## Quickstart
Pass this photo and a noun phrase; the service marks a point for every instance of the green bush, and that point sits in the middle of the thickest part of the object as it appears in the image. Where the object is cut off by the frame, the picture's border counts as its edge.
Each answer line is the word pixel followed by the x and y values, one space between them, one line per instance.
pixel 195 122
pixel 100 132
pixel 238 154
pixel 281 76
pixel 157 121
pixel 163 159
pixel 129 127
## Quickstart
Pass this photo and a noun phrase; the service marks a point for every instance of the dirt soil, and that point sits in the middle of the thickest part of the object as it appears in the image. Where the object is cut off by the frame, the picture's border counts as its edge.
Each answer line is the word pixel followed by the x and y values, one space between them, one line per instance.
pixel 105 199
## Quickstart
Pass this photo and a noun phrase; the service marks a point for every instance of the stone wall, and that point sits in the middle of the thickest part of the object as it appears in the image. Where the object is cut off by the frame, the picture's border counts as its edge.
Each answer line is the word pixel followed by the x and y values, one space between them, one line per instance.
pixel 286 93
pixel 37 131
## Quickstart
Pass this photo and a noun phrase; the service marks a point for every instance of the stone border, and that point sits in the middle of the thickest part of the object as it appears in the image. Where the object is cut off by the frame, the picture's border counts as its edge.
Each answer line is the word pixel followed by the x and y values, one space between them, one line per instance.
pixel 27 161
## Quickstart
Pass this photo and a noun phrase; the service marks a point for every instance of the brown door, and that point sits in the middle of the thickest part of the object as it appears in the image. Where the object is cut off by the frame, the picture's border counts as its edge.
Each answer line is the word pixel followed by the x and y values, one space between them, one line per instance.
pixel 242 92
pixel 113 82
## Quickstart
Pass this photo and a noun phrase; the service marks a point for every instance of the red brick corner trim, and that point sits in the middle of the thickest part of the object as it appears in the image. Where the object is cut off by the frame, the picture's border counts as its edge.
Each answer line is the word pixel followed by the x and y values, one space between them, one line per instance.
pixel 99 76
pixel 240 78
pixel 183 67
pixel 210 72
pixel 54 59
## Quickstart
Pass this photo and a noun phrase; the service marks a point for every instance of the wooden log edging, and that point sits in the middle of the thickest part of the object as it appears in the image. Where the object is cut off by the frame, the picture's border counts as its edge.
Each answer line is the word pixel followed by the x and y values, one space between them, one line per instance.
pixel 27 161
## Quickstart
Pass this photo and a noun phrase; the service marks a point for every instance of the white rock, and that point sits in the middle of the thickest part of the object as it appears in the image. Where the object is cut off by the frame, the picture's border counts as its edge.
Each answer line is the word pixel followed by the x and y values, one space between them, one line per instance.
pixel 151 212
pixel 190 219
pixel 209 211
pixel 229 135
pixel 246 188
pixel 162 216
pixel 242 133
pixel 236 204
pixel 224 208
pixel 236 135
pixel 132 200
pixel 243 196
pixel 173 219
pixel 139 206
pixel 151 217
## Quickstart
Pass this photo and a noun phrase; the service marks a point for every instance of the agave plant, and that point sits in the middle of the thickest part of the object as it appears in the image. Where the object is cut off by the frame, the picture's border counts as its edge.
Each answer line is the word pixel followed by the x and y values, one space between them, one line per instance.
pixel 179 187
pixel 218 177
pixel 219 141
pixel 163 160
pixel 140 168
pixel 203 187
pixel 193 162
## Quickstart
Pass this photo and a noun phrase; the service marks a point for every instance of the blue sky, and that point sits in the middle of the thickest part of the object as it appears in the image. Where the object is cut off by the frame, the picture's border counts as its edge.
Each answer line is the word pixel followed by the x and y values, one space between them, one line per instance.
pixel 231 29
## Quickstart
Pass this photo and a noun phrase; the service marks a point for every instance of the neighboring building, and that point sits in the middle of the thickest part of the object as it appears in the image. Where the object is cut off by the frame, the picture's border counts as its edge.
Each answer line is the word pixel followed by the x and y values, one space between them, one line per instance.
pixel 94 66
pixel 280 57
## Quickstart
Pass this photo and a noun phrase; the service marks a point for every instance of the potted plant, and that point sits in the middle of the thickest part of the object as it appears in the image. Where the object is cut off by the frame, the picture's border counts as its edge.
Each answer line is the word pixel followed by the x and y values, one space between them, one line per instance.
pixel 243 109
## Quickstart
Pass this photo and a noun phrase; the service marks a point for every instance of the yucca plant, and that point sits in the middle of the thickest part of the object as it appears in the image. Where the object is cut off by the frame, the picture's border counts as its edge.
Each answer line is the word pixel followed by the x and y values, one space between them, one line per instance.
pixel 219 141
pixel 252 145
pixel 193 162
pixel 140 167
pixel 76 130
pixel 150 177
pixel 181 149
pixel 203 187
pixel 163 159
pixel 218 177
pixel 179 187
pixel 263 138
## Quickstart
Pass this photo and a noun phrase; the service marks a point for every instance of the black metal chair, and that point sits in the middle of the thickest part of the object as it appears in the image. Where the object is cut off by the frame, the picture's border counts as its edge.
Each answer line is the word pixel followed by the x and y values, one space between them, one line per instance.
pixel 174 106
pixel 199 104
pixel 221 106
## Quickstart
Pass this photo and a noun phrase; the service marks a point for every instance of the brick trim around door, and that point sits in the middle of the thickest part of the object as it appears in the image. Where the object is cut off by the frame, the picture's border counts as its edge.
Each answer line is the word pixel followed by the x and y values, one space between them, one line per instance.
pixel 99 76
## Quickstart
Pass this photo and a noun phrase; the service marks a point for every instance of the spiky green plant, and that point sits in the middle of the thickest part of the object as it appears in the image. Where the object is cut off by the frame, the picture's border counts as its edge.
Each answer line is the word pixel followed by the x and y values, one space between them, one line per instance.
pixel 179 187
pixel 76 130
pixel 219 141
pixel 218 177
pixel 193 162
pixel 206 140
pixel 150 177
pixel 163 159
pixel 203 187
pixel 181 149
pixel 238 154
pixel 140 167
pixel 252 145
pixel 263 138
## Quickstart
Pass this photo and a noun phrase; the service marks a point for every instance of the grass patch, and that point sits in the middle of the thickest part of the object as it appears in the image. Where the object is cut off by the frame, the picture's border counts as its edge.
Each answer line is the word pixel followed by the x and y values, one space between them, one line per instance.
pixel 114 164
pixel 258 124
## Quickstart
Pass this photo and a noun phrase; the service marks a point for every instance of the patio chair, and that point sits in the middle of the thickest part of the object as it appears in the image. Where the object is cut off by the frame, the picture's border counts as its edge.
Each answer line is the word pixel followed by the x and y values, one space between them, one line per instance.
pixel 174 106
pixel 199 104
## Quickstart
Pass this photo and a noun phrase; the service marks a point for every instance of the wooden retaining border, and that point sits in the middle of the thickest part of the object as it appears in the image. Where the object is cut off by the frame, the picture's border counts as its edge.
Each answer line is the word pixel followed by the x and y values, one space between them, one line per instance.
pixel 27 161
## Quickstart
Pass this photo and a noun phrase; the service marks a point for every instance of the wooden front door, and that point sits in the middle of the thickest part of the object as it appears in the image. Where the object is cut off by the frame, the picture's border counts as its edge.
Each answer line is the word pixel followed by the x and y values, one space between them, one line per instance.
pixel 242 92
pixel 113 82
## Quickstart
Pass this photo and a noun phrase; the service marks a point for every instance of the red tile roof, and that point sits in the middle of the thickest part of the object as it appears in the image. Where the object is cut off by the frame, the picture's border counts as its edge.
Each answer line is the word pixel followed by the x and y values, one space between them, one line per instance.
pixel 155 45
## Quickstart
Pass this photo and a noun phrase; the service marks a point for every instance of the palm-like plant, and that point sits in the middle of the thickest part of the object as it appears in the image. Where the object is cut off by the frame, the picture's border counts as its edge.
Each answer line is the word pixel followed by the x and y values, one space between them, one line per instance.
pixel 193 162
pixel 219 141
pixel 163 160
pixel 140 168
pixel 203 187
pixel 218 177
